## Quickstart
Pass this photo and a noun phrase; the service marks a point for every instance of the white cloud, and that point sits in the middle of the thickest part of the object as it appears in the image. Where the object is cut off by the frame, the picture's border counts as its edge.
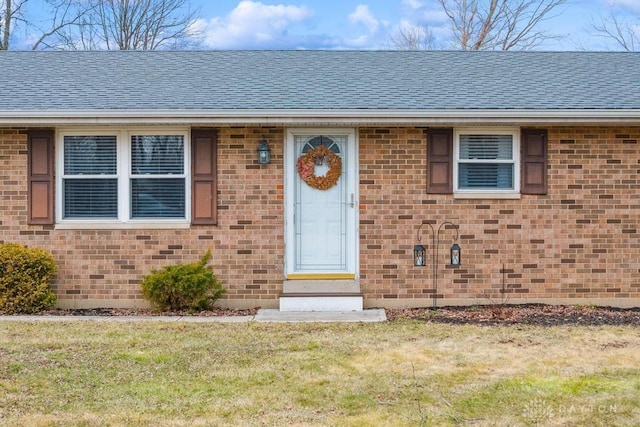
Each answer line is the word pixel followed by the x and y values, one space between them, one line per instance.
pixel 438 30
pixel 255 25
pixel 412 4
pixel 363 15
pixel 423 14
pixel 419 16
pixel 366 30
pixel 627 4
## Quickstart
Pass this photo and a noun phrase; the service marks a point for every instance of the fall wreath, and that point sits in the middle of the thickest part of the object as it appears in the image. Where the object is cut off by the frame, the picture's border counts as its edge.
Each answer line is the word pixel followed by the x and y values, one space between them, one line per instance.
pixel 317 156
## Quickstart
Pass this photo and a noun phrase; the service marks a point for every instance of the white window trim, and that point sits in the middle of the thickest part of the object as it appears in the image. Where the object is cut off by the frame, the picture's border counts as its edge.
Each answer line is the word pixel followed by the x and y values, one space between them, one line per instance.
pixel 484 193
pixel 123 221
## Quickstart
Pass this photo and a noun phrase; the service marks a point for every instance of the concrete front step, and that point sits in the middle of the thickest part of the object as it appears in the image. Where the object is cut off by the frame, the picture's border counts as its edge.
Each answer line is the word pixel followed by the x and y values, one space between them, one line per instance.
pixel 342 301
pixel 321 295
pixel 320 286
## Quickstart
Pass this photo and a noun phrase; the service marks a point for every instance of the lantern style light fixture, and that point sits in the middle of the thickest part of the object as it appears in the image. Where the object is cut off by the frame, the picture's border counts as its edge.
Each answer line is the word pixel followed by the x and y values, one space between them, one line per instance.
pixel 264 152
pixel 455 255
pixel 419 256
pixel 420 253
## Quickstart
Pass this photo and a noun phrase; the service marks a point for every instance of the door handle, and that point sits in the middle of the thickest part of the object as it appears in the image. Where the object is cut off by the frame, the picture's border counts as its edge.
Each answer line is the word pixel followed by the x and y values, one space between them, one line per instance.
pixel 353 200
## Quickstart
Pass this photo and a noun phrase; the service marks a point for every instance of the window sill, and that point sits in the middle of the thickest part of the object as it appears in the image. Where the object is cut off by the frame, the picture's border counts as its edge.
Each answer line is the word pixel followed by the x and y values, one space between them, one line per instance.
pixel 142 225
pixel 487 195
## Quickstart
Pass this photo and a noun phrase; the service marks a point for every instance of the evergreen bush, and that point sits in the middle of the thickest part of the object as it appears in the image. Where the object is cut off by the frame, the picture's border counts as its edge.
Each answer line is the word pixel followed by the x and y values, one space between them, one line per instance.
pixel 25 279
pixel 191 287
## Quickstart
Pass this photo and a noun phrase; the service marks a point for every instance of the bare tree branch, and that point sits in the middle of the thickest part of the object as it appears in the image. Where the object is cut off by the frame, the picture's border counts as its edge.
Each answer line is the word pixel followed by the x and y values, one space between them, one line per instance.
pixel 10 13
pixel 60 14
pixel 624 34
pixel 134 25
pixel 487 23
pixel 5 25
pixel 417 37
pixel 66 13
pixel 498 24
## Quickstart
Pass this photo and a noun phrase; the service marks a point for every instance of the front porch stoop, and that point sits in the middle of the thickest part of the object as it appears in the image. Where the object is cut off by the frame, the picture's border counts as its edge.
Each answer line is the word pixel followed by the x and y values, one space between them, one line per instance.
pixel 321 295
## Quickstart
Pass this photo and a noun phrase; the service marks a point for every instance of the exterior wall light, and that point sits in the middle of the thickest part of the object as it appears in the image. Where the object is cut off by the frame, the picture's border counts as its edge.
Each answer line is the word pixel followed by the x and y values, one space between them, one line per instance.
pixel 264 152
pixel 419 256
pixel 455 255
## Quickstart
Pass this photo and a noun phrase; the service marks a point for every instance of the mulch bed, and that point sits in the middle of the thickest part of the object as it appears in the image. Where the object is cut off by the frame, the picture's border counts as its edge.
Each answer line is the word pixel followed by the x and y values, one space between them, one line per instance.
pixel 526 314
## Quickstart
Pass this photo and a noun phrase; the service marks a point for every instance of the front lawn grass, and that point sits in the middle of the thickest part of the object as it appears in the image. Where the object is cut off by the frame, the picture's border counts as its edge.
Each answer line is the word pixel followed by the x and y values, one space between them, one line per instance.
pixel 87 373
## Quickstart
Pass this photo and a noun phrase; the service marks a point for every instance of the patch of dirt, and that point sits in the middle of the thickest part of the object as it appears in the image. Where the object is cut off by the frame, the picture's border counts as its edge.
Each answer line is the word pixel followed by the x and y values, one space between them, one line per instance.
pixel 526 314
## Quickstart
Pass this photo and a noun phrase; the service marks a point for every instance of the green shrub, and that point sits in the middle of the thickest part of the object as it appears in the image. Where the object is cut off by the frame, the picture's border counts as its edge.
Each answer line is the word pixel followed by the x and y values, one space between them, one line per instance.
pixel 25 279
pixel 183 286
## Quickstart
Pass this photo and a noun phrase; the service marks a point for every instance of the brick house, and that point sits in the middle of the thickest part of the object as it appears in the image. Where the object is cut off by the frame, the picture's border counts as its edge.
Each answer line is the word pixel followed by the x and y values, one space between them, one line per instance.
pixel 121 162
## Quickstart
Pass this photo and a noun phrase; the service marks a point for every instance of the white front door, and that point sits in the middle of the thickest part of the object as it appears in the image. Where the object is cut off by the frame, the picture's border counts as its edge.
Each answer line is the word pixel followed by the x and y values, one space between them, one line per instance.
pixel 321 203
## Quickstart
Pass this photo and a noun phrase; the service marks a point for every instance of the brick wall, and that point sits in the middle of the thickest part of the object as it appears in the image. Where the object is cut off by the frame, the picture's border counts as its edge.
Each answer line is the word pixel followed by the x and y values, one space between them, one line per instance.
pixel 104 267
pixel 577 243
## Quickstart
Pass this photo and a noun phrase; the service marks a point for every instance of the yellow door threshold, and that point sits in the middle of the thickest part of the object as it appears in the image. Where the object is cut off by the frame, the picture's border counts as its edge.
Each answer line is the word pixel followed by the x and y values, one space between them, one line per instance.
pixel 321 276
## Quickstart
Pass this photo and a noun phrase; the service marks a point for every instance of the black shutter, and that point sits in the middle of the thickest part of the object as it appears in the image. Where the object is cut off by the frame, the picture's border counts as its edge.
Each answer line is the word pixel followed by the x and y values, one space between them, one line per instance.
pixel 440 161
pixel 204 186
pixel 534 161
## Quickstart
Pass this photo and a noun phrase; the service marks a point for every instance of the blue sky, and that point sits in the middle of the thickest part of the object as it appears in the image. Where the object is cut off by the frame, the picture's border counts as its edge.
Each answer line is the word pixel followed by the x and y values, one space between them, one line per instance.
pixel 368 24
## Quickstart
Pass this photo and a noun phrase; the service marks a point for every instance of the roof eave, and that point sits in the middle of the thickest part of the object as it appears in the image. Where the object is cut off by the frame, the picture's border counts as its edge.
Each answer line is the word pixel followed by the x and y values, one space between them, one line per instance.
pixel 321 117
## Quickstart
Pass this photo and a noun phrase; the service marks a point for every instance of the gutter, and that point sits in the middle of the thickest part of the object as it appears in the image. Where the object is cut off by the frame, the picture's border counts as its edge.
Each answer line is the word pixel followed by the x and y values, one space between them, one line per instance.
pixel 320 117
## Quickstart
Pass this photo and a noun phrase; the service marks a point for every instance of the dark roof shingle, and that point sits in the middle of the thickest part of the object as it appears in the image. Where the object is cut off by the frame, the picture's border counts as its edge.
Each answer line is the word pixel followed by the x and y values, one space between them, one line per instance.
pixel 318 80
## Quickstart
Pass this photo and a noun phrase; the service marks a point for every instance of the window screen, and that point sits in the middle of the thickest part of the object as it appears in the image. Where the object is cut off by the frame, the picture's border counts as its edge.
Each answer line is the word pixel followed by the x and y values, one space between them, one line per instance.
pixel 90 181
pixel 486 162
pixel 157 176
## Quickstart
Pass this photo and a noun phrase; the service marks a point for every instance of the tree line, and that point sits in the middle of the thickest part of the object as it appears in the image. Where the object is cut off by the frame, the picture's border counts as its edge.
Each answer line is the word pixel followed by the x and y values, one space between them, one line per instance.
pixel 102 24
pixel 170 24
